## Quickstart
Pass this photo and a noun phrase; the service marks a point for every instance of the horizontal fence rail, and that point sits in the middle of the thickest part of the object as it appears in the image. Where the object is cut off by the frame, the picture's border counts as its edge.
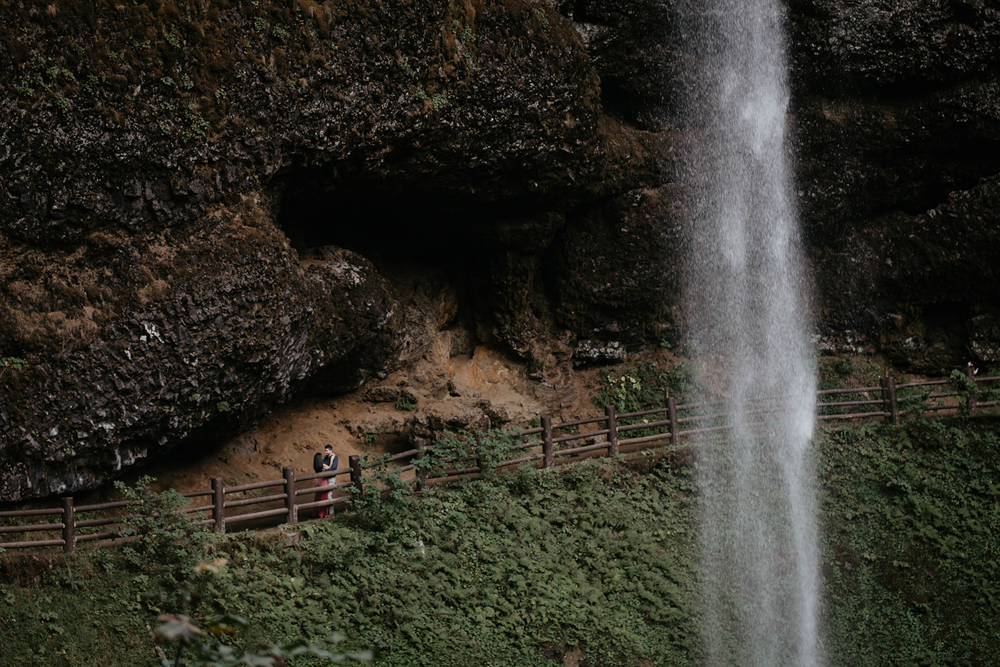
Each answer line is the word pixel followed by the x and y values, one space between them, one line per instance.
pixel 284 500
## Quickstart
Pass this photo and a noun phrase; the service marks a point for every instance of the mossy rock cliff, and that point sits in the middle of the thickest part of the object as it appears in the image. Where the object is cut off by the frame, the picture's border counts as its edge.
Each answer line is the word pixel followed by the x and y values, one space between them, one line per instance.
pixel 167 166
pixel 205 207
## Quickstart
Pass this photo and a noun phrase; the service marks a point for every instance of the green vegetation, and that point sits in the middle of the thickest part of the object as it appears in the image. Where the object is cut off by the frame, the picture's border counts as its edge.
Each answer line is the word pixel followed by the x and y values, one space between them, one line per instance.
pixel 912 543
pixel 406 405
pixel 461 450
pixel 13 362
pixel 518 567
pixel 596 559
pixel 156 533
pixel 514 570
pixel 181 635
pixel 539 12
pixel 464 34
pixel 847 372
pixel 644 385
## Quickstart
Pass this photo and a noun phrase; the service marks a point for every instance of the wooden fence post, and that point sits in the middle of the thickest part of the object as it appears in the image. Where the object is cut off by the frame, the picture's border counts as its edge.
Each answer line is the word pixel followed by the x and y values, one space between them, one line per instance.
pixel 889 398
pixel 218 505
pixel 675 431
pixel 970 402
pixel 288 473
pixel 69 525
pixel 548 459
pixel 421 472
pixel 356 473
pixel 609 412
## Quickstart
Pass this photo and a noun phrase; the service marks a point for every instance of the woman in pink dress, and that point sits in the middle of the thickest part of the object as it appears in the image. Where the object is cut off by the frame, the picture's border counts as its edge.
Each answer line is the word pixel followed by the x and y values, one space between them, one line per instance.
pixel 319 465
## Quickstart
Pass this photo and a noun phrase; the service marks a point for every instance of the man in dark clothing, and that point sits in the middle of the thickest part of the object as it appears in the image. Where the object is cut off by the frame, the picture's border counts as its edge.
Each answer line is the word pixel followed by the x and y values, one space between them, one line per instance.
pixel 330 460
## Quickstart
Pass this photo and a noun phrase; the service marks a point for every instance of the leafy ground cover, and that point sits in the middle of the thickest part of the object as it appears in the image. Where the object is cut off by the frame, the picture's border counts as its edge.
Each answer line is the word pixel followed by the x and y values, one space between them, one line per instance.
pixel 594 563
pixel 912 543
pixel 514 569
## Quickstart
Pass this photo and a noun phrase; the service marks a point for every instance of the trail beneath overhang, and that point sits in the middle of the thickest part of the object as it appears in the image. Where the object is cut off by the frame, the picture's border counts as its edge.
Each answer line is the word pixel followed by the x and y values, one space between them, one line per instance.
pixel 455 390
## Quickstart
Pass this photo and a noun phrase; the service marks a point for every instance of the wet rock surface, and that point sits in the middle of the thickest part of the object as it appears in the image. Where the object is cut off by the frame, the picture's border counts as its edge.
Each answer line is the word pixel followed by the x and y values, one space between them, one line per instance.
pixel 222 323
pixel 208 209
pixel 633 48
pixel 897 119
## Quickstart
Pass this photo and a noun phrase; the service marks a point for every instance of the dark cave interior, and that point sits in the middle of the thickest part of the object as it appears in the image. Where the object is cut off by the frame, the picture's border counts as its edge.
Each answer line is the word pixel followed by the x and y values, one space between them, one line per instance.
pixel 414 236
pixel 393 224
pixel 382 225
pixel 405 233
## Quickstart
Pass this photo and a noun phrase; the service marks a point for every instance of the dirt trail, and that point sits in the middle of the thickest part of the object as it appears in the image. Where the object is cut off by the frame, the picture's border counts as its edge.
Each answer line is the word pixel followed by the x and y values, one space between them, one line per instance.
pixel 482 389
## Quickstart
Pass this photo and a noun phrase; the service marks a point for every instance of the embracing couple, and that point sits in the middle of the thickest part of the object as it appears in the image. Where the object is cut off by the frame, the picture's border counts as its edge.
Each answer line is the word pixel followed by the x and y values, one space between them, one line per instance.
pixel 321 463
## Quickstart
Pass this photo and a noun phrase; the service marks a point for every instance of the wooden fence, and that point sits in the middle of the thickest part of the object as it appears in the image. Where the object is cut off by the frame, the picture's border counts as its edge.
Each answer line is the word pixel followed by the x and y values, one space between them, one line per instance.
pixel 544 446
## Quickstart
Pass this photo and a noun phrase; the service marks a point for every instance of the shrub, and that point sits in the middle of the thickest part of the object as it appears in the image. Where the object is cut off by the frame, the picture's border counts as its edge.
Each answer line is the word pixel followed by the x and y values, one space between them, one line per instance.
pixel 159 535
pixel 643 386
pixel 463 450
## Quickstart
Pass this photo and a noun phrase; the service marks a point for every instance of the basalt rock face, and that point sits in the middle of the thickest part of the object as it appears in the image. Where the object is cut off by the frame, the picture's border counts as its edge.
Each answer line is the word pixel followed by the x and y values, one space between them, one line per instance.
pixel 897 112
pixel 148 341
pixel 180 184
pixel 632 46
pixel 141 117
pixel 896 137
pixel 169 170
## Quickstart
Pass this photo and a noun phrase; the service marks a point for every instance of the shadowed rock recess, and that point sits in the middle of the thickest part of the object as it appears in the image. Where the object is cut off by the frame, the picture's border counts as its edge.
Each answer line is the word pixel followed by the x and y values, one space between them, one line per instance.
pixel 206 208
pixel 170 169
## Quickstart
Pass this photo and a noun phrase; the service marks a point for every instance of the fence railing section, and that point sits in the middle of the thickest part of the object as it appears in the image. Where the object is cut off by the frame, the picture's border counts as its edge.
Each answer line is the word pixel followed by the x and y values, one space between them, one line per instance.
pixel 280 501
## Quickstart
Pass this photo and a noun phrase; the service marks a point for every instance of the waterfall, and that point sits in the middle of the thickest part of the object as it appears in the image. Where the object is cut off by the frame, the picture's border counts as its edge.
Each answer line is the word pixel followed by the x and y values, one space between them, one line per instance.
pixel 749 328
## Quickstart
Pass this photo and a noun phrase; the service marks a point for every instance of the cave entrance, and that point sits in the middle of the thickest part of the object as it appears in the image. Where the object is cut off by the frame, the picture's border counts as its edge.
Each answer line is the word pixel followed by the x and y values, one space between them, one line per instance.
pixel 390 226
pixel 488 249
pixel 417 238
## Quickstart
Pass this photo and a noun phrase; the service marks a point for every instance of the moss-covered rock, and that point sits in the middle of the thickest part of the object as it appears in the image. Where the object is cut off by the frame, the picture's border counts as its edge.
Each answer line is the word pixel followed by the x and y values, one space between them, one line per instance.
pixel 155 157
